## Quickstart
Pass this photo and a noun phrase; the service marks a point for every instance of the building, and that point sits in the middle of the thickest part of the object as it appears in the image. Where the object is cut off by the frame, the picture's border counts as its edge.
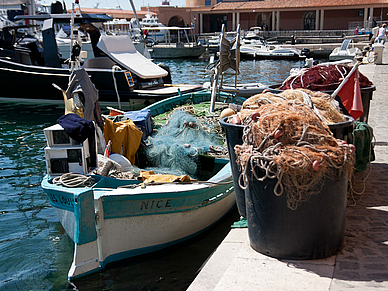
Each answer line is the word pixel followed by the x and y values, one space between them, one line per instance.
pixel 274 15
pixel 116 13
pixel 277 15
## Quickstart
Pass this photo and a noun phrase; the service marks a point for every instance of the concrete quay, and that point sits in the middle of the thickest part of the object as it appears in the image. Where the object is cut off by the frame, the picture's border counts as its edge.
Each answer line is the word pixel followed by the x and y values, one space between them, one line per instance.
pixel 323 50
pixel 362 264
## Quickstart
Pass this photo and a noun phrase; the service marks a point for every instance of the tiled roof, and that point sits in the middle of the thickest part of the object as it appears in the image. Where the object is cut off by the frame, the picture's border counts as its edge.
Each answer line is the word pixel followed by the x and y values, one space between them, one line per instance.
pixel 280 4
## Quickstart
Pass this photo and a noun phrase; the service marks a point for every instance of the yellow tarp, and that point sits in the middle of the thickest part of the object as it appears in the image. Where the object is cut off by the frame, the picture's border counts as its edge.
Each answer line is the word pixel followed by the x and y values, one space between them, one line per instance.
pixel 151 177
pixel 125 135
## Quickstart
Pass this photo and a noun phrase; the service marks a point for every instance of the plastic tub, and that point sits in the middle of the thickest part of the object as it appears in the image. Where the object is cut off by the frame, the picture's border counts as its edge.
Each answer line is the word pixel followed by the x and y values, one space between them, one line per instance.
pixel 234 135
pixel 314 230
pixel 343 130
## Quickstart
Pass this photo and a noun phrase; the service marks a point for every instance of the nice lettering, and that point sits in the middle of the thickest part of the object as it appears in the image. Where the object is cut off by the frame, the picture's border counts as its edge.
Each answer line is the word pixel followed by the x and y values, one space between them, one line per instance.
pixel 153 204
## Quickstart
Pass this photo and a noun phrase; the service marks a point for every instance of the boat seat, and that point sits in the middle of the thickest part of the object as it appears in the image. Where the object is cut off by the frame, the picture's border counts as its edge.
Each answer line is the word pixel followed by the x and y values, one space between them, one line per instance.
pixel 99 63
pixel 121 50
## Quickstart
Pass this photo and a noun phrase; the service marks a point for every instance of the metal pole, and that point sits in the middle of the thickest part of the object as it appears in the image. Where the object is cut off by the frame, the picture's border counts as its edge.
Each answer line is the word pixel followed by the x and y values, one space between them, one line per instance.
pixel 137 19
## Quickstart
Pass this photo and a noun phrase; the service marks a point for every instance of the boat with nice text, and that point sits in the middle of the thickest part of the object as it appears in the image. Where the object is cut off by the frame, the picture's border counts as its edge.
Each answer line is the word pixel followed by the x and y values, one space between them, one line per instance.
pixel 111 218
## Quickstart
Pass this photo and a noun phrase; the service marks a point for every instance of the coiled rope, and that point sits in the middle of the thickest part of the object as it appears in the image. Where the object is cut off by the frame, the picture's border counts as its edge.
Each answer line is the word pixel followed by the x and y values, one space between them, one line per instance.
pixel 72 180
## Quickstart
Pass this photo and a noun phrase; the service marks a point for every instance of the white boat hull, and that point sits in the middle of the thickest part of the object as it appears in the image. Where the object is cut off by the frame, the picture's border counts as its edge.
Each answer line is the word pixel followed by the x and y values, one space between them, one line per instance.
pixel 109 224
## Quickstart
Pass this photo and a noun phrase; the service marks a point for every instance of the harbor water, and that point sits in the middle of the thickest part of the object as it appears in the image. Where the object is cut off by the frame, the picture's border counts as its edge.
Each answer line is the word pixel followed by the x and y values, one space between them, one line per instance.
pixel 36 253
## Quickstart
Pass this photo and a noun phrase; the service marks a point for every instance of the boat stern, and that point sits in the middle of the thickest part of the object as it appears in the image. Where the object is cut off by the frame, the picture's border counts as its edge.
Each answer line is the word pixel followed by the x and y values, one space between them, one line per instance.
pixel 76 212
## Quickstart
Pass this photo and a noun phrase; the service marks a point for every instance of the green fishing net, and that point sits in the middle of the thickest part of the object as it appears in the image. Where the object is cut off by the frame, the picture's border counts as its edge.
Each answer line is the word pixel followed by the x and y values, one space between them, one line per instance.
pixel 177 146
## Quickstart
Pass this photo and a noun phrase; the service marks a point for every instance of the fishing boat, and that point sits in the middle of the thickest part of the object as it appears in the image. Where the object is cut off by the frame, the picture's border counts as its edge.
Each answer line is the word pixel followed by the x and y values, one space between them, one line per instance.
pixel 111 218
pixel 347 51
pixel 229 58
pixel 176 43
pixel 258 48
pixel 119 72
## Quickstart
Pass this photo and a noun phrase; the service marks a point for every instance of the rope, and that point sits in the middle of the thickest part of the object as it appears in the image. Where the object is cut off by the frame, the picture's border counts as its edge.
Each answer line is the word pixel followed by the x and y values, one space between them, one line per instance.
pixel 290 143
pixel 114 68
pixel 72 180
pixel 174 183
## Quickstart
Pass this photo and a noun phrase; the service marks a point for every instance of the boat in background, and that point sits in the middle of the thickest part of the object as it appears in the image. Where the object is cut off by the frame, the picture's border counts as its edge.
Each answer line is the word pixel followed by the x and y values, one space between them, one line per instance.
pixel 176 43
pixel 149 23
pixel 258 48
pixel 119 72
pixel 229 58
pixel 347 51
pixel 254 32
pixel 242 90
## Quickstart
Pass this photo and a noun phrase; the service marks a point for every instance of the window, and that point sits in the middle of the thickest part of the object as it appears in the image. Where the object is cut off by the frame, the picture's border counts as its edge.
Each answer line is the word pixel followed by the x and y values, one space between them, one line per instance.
pixel 309 21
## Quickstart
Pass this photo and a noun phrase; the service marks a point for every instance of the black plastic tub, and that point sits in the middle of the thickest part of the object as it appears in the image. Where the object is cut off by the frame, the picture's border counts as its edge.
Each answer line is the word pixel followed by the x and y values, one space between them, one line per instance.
pixel 366 95
pixel 234 135
pixel 314 230
pixel 343 130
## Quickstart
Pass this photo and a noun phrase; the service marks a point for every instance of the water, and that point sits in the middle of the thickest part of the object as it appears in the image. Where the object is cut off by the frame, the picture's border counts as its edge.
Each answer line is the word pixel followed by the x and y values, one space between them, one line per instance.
pixel 36 253
pixel 268 72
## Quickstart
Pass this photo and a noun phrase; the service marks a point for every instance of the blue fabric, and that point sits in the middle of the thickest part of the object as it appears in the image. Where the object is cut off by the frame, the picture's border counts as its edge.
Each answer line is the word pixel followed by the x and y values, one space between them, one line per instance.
pixel 76 127
pixel 80 129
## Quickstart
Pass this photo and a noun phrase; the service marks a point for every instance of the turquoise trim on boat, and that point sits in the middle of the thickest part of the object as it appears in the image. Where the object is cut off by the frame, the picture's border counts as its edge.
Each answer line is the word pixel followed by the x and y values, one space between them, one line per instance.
pixel 60 197
pixel 85 228
pixel 163 203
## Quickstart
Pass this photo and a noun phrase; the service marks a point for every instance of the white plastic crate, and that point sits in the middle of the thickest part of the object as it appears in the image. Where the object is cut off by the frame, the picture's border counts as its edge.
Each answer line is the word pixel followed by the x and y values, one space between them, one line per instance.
pixel 68 159
pixel 56 136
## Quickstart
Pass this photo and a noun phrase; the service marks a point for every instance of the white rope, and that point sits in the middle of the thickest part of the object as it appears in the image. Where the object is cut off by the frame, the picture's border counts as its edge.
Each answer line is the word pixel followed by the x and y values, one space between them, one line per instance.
pixel 72 180
pixel 114 68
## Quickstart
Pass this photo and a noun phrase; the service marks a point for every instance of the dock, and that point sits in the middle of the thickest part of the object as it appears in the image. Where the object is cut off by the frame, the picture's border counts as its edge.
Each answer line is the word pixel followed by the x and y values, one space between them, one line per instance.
pixel 362 263
pixel 323 50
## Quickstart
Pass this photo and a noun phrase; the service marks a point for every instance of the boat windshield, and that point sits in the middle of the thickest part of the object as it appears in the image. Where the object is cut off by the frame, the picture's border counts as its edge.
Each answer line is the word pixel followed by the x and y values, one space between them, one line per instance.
pixel 345 44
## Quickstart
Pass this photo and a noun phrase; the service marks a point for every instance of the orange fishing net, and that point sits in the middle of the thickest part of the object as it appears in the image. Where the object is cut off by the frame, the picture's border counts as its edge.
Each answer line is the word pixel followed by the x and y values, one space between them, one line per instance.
pixel 289 141
pixel 325 107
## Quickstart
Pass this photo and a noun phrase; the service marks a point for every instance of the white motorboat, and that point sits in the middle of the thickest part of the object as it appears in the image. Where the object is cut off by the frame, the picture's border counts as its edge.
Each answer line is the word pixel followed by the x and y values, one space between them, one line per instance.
pixel 259 49
pixel 149 23
pixel 347 51
pixel 242 90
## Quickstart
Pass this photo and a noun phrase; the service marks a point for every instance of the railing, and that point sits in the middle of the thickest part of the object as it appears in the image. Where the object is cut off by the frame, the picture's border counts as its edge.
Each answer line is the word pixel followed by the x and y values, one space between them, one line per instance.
pixel 301 36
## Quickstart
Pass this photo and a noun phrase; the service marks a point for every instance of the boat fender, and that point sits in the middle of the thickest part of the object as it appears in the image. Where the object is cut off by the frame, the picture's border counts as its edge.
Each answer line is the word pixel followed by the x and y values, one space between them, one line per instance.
pixel 125 164
pixel 167 79
pixel 227 112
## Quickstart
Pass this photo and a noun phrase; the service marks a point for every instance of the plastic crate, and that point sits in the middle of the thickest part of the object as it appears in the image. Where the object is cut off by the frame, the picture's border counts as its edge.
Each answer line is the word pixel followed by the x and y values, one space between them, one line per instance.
pixel 142 119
